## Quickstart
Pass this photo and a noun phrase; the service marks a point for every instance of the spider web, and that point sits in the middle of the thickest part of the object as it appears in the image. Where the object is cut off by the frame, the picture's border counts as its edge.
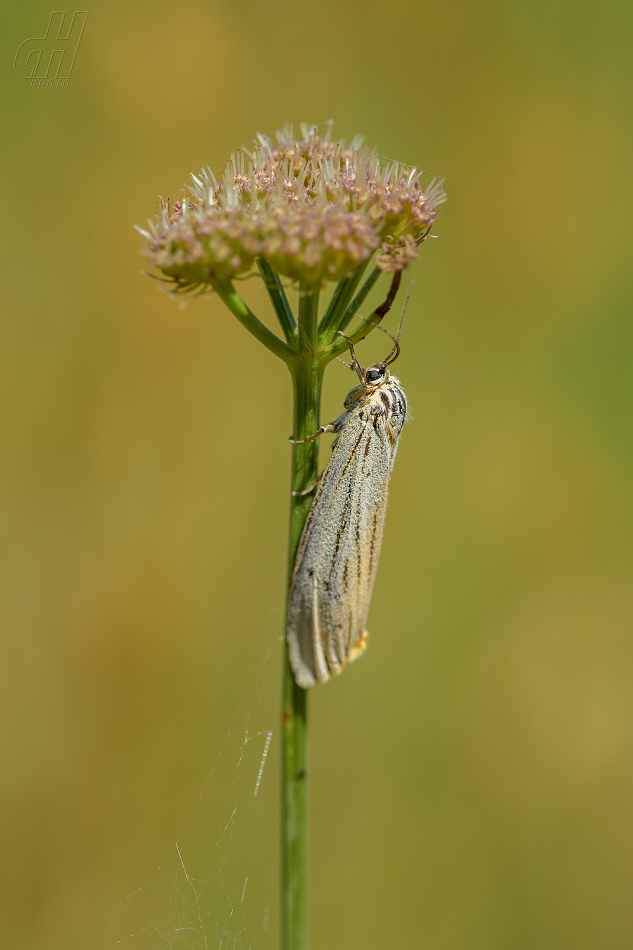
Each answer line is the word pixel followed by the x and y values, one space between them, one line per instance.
pixel 216 885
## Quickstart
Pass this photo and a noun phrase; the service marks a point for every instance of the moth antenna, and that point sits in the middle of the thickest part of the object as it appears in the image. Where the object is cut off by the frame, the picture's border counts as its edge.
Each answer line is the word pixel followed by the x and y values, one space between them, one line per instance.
pixel 396 348
pixel 355 364
pixel 378 326
pixel 345 363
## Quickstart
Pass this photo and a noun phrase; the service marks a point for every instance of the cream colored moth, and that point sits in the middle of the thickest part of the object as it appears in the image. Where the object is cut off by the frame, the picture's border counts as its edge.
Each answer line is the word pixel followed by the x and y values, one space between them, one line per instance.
pixel 337 558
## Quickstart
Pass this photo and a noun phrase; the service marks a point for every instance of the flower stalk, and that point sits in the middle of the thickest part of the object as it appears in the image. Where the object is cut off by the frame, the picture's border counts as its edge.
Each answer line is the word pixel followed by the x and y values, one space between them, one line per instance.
pixel 313 211
pixel 307 379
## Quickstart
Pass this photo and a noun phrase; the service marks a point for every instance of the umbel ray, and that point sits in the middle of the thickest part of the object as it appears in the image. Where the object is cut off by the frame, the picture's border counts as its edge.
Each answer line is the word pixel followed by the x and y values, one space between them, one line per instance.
pixel 337 558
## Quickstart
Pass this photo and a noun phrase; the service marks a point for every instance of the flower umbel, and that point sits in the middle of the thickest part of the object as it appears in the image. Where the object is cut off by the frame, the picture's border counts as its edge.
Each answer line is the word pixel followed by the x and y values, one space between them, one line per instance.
pixel 314 208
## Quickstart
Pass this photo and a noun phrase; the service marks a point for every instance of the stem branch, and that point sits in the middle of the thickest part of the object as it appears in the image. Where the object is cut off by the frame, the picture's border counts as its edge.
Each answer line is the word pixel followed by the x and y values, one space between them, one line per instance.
pixel 360 298
pixel 229 295
pixel 337 308
pixel 335 349
pixel 277 294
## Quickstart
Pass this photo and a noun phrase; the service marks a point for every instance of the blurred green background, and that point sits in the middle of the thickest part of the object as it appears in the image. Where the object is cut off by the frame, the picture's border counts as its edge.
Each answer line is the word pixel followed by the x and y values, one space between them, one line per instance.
pixel 472 776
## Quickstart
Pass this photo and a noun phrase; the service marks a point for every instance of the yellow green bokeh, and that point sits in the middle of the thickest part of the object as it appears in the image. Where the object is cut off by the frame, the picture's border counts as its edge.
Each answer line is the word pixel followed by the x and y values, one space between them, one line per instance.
pixel 472 775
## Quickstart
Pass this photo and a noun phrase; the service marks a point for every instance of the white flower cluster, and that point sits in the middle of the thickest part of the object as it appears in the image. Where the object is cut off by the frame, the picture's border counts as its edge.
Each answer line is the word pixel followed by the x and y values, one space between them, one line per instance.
pixel 316 209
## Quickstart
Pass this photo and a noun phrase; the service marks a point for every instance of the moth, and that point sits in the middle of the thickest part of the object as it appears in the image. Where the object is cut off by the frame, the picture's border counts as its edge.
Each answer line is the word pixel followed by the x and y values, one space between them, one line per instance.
pixel 338 552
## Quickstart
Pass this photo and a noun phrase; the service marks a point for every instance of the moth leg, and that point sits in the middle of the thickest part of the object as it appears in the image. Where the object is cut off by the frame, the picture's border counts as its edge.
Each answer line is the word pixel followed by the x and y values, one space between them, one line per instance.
pixel 306 491
pixel 321 431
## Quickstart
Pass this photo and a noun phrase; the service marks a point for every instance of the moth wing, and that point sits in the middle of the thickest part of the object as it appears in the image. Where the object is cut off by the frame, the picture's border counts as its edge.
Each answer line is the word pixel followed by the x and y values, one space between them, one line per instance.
pixel 338 554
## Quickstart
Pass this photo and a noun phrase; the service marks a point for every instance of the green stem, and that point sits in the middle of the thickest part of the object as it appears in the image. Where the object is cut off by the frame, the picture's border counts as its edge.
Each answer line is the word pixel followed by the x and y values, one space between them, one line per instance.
pixel 307 380
pixel 308 318
pixel 307 377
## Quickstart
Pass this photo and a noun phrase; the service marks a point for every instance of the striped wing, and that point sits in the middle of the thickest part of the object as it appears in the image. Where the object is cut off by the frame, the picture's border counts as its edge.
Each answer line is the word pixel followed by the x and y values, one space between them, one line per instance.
pixel 338 553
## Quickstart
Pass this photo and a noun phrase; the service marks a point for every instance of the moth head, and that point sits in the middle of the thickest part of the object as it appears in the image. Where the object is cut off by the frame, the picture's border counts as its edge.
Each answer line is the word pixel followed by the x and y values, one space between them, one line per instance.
pixel 376 374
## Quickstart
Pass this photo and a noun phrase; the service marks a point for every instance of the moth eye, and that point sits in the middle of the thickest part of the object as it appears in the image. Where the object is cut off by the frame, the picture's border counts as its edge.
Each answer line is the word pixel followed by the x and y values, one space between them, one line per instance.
pixel 373 374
